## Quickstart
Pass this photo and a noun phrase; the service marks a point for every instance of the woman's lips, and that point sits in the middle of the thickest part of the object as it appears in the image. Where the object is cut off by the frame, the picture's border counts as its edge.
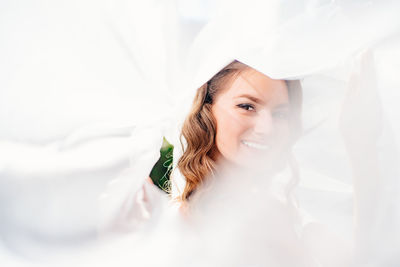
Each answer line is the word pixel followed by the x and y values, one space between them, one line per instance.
pixel 256 145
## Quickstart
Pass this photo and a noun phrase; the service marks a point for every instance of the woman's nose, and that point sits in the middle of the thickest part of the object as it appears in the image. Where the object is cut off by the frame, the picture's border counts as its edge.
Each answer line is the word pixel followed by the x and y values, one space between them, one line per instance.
pixel 264 123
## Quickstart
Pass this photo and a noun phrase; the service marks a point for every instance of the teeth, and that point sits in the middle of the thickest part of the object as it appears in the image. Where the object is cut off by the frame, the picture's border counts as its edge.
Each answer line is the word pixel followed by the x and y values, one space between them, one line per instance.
pixel 256 145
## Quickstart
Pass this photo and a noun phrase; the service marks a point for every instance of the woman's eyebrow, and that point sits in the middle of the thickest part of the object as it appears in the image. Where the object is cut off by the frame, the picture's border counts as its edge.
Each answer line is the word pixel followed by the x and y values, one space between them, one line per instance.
pixel 252 98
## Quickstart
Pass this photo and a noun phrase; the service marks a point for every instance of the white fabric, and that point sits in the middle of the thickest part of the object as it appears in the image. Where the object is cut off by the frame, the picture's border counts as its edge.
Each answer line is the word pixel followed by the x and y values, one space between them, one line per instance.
pixel 89 88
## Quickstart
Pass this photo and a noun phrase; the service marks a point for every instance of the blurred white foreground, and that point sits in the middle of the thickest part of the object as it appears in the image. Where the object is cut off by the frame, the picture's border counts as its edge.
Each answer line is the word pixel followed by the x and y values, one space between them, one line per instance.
pixel 89 88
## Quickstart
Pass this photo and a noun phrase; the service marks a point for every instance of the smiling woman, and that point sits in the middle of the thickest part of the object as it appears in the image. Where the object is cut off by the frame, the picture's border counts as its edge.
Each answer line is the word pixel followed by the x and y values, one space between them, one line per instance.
pixel 240 117
pixel 252 117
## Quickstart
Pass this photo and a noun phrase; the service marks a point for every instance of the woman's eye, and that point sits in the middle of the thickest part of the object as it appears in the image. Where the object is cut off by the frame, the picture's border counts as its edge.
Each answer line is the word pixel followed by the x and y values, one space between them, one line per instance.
pixel 248 107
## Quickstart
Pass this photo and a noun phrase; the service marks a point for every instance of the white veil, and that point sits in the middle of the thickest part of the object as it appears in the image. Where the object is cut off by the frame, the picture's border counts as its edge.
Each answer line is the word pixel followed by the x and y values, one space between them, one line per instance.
pixel 91 87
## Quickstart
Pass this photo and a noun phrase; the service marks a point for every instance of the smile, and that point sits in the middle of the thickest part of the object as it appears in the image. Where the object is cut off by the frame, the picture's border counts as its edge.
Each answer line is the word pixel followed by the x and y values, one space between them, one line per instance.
pixel 256 145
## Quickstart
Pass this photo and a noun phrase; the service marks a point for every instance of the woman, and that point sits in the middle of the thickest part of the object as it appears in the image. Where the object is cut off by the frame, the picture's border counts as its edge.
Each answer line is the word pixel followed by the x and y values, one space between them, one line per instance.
pixel 242 125
pixel 239 118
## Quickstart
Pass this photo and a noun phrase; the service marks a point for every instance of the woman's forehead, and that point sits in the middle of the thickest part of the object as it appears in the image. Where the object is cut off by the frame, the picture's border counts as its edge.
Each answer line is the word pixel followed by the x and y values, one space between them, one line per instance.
pixel 253 82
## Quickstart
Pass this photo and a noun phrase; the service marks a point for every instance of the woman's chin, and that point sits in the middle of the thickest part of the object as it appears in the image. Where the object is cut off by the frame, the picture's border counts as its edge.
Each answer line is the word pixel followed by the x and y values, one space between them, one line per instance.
pixel 267 159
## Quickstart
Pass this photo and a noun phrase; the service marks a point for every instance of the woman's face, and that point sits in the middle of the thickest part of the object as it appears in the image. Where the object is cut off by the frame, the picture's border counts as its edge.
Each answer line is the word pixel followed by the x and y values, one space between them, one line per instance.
pixel 252 119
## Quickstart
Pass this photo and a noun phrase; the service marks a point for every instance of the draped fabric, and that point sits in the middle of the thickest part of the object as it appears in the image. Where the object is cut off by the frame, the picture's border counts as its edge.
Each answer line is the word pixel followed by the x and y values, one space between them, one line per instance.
pixel 89 89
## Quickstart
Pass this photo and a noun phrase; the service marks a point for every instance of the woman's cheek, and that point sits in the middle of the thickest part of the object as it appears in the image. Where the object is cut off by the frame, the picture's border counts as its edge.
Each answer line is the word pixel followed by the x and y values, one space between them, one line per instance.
pixel 283 133
pixel 229 131
pixel 238 123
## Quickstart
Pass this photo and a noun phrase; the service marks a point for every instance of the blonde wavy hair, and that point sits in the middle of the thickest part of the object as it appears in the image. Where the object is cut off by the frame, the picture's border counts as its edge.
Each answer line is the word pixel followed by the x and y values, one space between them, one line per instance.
pixel 198 161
